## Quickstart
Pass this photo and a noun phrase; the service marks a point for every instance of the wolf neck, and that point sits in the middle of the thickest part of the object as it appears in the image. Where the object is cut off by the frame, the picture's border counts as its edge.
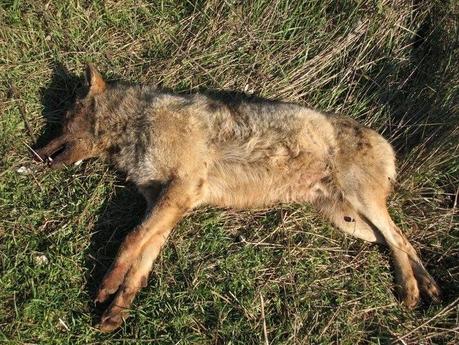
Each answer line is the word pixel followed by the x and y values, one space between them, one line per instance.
pixel 124 124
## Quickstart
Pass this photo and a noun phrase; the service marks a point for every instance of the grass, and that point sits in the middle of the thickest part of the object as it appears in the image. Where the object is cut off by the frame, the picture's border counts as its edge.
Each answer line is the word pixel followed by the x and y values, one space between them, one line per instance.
pixel 391 65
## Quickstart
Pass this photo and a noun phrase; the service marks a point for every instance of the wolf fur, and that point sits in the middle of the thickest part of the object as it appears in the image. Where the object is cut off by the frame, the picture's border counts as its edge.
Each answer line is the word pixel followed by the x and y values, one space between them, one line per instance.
pixel 231 151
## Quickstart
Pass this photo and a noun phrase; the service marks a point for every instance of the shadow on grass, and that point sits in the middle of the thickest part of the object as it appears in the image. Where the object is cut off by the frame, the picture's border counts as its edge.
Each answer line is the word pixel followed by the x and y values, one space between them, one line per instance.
pixel 57 97
pixel 121 213
pixel 418 92
pixel 421 97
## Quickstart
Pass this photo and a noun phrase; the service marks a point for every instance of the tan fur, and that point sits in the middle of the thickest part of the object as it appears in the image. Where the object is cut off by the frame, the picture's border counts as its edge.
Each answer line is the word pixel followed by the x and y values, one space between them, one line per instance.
pixel 232 152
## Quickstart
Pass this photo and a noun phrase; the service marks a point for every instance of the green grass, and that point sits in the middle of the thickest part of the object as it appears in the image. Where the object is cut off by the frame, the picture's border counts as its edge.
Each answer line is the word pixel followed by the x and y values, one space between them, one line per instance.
pixel 391 66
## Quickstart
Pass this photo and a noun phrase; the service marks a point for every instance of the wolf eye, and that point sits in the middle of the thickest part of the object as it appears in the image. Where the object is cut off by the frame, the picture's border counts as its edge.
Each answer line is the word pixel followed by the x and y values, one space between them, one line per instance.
pixel 67 114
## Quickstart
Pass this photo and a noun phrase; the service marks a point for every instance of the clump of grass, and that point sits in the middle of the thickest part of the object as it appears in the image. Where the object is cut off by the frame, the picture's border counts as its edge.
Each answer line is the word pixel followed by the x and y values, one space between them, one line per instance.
pixel 391 65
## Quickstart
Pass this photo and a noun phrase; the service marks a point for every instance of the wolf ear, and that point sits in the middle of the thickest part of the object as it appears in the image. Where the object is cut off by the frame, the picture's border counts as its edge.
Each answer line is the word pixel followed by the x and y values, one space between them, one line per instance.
pixel 94 80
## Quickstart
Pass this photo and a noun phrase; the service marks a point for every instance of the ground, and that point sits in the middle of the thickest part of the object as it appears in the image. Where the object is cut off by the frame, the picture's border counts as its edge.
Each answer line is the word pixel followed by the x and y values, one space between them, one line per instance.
pixel 274 276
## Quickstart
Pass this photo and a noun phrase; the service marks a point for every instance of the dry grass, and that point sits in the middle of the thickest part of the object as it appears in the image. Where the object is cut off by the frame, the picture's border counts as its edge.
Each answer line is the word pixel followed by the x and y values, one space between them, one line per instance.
pixel 277 276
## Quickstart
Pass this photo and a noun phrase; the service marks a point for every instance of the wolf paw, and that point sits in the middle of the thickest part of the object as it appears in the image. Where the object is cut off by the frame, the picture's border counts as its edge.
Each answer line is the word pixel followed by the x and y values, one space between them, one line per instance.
pixel 126 281
pixel 112 281
pixel 410 294
pixel 118 310
pixel 109 323
pixel 430 289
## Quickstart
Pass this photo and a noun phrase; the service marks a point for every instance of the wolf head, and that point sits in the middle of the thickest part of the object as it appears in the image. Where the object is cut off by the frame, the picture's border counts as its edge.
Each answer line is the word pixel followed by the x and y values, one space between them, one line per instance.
pixel 78 139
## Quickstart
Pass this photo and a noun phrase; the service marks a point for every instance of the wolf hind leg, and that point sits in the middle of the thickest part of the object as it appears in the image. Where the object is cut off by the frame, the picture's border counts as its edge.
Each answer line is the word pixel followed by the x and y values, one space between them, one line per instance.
pixel 412 277
pixel 347 219
pixel 366 225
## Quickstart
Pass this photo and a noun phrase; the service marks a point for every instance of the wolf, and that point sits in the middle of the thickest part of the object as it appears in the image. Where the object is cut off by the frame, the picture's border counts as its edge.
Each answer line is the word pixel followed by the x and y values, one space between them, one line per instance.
pixel 183 151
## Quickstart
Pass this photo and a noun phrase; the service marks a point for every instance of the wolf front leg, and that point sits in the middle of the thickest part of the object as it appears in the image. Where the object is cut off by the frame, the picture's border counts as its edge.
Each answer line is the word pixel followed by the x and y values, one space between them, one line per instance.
pixel 129 272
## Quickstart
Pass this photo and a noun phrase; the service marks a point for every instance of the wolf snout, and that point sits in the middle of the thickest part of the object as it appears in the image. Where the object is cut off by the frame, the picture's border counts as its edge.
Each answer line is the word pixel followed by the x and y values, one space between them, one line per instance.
pixel 51 152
